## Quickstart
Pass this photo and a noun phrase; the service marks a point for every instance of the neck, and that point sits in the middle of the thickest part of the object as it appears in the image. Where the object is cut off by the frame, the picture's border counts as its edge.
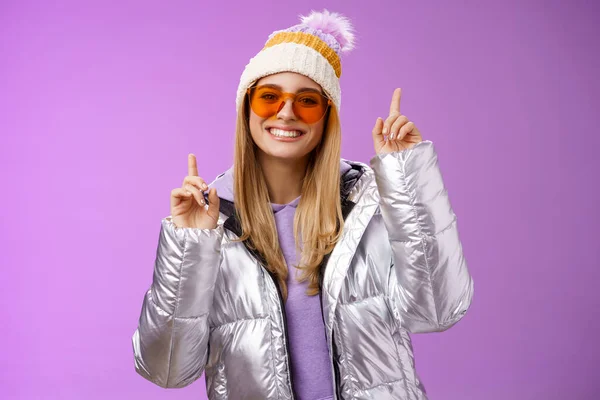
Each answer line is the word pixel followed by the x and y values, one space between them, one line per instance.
pixel 283 177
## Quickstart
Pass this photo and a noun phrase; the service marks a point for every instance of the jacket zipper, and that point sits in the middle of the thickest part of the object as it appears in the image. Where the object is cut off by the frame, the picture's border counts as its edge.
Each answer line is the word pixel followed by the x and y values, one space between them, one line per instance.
pixel 285 330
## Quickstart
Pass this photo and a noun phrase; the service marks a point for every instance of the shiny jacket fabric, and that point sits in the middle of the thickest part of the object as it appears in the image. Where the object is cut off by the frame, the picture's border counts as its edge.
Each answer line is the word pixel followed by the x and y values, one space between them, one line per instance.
pixel 397 269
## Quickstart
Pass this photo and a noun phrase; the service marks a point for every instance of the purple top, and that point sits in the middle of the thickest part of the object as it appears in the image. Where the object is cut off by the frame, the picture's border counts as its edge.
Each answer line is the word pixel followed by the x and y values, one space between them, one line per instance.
pixel 306 331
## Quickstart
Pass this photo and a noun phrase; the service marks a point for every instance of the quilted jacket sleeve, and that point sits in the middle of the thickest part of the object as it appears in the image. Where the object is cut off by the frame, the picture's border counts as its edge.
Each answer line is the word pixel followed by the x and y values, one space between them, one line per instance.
pixel 434 288
pixel 170 343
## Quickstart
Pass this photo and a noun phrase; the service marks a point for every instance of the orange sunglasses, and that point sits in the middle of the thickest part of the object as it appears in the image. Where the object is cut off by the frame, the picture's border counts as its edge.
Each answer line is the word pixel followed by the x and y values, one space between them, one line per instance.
pixel 309 106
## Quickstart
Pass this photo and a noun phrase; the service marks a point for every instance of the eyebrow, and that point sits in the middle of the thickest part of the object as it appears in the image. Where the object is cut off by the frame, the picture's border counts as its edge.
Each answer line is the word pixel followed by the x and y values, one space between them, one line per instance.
pixel 301 90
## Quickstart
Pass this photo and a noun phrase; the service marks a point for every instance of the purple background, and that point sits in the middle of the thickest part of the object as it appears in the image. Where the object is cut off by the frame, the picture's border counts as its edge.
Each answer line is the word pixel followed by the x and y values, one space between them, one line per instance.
pixel 100 105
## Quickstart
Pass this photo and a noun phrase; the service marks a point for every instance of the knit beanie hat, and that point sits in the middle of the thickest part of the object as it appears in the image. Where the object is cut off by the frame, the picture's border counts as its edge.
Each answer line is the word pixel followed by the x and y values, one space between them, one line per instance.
pixel 311 48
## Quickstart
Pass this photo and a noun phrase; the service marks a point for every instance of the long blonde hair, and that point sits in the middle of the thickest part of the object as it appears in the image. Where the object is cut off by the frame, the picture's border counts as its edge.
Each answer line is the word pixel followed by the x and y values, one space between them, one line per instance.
pixel 318 221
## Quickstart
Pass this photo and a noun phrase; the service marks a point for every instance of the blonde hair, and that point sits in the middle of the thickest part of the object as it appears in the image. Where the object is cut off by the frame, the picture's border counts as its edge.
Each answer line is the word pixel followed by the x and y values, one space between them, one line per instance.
pixel 318 221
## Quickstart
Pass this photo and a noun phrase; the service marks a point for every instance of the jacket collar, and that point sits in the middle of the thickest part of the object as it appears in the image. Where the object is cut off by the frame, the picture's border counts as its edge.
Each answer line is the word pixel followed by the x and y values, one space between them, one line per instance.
pixel 348 182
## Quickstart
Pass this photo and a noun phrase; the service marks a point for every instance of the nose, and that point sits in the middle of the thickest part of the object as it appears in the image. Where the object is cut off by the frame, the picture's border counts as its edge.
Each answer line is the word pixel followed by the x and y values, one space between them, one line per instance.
pixel 286 110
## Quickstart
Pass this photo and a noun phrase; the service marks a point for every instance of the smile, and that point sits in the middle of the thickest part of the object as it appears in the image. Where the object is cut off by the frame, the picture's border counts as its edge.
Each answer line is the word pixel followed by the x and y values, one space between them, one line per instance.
pixel 284 133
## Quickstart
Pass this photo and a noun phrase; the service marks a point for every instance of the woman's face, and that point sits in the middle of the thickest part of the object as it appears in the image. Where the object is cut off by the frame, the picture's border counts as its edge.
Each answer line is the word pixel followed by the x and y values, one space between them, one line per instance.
pixel 269 142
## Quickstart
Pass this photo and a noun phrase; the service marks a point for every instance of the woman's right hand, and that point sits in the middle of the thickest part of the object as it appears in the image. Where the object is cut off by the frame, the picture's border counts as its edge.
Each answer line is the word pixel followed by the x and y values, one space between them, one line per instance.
pixel 188 209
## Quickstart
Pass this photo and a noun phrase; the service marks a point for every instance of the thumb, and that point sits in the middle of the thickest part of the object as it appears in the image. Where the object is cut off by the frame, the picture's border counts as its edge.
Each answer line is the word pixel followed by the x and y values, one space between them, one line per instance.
pixel 378 139
pixel 213 204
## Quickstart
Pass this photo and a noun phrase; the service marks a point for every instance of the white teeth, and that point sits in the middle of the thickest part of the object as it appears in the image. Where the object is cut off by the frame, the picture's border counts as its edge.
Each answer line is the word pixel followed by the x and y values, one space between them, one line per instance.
pixel 282 133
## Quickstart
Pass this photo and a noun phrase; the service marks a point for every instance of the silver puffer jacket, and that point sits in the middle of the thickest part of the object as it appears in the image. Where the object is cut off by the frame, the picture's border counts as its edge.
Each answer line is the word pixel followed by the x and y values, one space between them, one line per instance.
pixel 398 269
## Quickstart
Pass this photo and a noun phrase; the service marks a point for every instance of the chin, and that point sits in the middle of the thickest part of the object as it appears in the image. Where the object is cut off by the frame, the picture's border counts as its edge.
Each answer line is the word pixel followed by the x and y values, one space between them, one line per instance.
pixel 285 155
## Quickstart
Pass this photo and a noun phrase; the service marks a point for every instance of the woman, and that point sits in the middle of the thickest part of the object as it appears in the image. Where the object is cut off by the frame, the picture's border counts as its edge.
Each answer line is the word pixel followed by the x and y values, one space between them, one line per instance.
pixel 299 274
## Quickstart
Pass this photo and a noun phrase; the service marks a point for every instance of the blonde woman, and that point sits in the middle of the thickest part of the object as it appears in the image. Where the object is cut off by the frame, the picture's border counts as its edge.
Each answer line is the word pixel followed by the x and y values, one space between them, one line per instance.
pixel 297 274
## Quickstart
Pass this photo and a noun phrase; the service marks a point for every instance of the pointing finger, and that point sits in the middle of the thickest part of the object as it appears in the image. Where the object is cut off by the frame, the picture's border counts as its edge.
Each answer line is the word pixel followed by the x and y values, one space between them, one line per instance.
pixel 192 166
pixel 395 105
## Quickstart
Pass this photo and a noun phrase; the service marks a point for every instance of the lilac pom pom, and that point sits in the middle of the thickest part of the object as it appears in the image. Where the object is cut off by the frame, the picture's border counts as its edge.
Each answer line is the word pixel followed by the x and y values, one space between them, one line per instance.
pixel 334 24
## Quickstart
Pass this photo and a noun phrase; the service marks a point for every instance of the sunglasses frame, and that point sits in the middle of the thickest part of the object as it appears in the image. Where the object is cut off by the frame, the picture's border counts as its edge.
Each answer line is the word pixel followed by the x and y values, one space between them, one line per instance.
pixel 329 101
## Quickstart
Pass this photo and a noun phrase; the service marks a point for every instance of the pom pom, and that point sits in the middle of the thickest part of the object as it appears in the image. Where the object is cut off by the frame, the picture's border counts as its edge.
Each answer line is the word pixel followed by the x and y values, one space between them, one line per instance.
pixel 334 24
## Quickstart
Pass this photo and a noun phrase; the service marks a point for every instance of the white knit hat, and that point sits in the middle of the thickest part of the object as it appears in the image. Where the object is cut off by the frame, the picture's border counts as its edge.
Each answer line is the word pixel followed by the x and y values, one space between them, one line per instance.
pixel 311 48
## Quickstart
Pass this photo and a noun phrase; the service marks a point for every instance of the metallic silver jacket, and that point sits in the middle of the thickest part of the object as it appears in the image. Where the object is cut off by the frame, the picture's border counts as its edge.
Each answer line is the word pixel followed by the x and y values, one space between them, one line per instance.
pixel 398 269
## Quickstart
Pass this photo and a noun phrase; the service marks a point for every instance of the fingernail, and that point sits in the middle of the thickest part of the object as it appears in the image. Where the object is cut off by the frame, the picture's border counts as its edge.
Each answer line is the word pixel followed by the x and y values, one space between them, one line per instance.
pixel 204 187
pixel 385 130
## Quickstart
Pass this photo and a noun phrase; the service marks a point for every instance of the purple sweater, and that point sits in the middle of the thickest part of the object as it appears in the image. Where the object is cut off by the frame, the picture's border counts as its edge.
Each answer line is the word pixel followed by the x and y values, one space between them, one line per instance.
pixel 308 345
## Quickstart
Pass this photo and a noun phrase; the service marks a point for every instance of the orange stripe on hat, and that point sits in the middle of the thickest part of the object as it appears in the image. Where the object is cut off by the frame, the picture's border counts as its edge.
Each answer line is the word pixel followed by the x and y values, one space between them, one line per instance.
pixel 311 41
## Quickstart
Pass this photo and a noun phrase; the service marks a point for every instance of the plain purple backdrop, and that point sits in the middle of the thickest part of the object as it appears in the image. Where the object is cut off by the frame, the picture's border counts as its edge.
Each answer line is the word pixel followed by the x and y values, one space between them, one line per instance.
pixel 100 103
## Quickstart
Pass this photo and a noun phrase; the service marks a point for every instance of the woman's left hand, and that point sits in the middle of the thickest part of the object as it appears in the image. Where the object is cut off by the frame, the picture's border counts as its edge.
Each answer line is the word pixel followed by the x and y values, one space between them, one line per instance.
pixel 402 133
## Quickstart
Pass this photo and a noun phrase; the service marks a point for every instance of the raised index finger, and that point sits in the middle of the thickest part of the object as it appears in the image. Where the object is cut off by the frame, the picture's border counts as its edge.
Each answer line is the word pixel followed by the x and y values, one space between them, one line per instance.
pixel 192 167
pixel 395 106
